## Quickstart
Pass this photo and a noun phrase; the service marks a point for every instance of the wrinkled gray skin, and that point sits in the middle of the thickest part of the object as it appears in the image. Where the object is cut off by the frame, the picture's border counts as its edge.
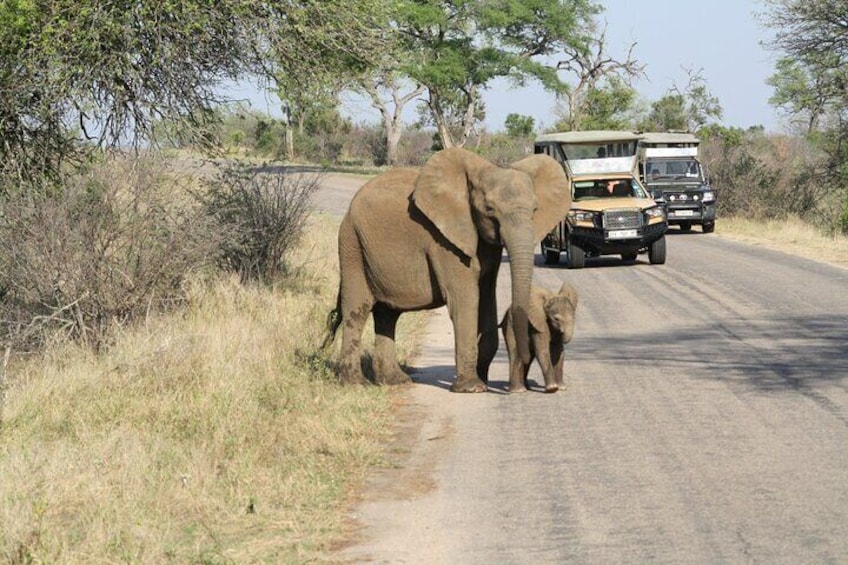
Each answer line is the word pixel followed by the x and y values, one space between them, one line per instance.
pixel 551 327
pixel 420 239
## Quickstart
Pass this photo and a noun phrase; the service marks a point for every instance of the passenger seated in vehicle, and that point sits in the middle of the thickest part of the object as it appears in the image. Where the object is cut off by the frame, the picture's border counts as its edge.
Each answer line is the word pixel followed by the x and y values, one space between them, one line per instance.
pixel 655 174
pixel 621 189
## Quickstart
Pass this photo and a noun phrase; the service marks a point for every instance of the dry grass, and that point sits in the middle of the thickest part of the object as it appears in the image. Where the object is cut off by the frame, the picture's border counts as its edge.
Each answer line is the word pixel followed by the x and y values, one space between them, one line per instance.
pixel 213 436
pixel 792 236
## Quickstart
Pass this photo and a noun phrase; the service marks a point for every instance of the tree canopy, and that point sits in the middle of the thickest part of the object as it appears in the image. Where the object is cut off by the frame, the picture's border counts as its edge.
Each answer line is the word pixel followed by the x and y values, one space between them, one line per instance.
pixel 462 45
pixel 82 73
pixel 811 78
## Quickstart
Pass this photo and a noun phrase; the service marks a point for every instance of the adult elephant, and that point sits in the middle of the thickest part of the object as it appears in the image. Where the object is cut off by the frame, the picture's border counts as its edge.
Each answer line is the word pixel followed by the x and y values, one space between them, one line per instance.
pixel 419 239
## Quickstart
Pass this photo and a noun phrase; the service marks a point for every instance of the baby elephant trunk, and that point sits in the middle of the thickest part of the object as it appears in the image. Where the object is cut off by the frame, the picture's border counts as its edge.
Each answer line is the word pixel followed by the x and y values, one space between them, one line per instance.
pixel 563 308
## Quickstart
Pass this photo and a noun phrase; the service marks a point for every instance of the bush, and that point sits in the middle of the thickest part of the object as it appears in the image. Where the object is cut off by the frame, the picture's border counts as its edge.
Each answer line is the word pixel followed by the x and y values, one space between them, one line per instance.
pixel 261 216
pixel 108 246
pixel 415 147
pixel 503 149
pixel 770 178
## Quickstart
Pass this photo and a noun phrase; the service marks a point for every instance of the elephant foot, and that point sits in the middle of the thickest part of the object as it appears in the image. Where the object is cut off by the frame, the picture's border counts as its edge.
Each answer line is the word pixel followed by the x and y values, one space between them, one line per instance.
pixel 349 376
pixel 397 377
pixel 517 388
pixel 355 381
pixel 551 388
pixel 469 385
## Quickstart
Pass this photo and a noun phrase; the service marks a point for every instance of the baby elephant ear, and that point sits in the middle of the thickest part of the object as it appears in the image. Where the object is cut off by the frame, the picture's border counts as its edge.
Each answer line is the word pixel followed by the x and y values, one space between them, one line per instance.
pixel 569 293
pixel 553 193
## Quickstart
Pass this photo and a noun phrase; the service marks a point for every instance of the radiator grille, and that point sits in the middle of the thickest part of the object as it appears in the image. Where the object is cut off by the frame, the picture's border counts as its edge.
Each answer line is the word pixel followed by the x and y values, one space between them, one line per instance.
pixel 622 219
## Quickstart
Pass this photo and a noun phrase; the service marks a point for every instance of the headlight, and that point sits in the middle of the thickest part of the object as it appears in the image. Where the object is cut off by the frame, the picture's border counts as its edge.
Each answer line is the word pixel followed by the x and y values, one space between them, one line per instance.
pixel 655 212
pixel 709 196
pixel 581 216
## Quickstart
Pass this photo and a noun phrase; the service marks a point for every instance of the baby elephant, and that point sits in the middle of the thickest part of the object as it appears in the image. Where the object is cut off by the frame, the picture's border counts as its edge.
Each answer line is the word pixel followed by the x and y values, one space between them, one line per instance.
pixel 551 327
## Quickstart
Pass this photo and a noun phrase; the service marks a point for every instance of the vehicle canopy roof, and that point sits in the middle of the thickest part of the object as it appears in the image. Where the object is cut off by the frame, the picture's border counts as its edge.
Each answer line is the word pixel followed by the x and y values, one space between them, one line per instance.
pixel 590 136
pixel 668 138
pixel 593 151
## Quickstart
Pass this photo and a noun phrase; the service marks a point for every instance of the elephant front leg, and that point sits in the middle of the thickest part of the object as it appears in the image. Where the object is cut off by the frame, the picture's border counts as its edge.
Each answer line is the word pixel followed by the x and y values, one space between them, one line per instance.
pixel 464 319
pixel 544 350
pixel 517 374
pixel 386 367
pixel 557 357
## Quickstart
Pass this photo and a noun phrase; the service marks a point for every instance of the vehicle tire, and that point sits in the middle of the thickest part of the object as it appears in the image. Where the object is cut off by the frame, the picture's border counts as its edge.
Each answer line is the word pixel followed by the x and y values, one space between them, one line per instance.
pixel 685 226
pixel 551 256
pixel 656 252
pixel 708 227
pixel 629 256
pixel 576 256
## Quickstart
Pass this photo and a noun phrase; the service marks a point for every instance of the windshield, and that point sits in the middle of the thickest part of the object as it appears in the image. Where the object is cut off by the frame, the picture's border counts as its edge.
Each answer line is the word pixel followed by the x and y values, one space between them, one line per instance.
pixel 668 169
pixel 601 150
pixel 607 188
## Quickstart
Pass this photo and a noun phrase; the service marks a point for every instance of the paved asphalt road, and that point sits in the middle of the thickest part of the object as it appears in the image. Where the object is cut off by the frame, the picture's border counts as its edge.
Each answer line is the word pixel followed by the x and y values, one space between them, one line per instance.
pixel 705 421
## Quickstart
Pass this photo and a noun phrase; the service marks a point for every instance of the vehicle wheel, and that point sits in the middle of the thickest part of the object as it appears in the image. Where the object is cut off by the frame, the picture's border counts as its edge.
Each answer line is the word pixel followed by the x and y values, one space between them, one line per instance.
pixel 656 252
pixel 685 226
pixel 629 256
pixel 576 256
pixel 708 227
pixel 551 256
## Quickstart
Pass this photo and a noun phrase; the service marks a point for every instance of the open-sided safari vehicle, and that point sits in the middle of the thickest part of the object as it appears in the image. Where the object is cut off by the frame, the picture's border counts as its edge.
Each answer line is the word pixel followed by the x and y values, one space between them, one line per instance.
pixel 669 163
pixel 611 212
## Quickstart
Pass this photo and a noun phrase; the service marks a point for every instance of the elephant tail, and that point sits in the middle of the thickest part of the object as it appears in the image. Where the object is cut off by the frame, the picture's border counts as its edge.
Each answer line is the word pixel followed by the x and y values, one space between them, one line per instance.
pixel 334 320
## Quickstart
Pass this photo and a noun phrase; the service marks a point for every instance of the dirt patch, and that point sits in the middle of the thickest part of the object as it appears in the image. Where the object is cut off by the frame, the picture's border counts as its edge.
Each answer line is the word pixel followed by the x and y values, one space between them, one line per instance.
pixel 412 455
pixel 420 440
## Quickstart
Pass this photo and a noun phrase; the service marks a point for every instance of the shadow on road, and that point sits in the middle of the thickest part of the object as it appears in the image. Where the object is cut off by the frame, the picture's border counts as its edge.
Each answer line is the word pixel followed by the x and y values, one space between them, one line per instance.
pixel 768 355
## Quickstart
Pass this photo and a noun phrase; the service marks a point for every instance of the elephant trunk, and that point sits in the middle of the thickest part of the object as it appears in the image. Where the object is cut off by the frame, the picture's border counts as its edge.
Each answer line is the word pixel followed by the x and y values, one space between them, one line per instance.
pixel 519 238
pixel 568 332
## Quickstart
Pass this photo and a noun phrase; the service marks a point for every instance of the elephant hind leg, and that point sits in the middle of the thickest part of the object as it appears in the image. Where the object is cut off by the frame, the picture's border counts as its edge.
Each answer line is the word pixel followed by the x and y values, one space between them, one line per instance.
pixel 355 304
pixel 350 362
pixel 387 370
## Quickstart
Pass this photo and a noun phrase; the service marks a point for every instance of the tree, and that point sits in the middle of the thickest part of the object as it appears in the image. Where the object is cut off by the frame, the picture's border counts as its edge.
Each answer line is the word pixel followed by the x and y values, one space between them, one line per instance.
pixel 602 91
pixel 518 126
pixel 460 46
pixel 320 48
pixel 390 92
pixel 80 74
pixel 684 109
pixel 605 106
pixel 667 114
pixel 811 80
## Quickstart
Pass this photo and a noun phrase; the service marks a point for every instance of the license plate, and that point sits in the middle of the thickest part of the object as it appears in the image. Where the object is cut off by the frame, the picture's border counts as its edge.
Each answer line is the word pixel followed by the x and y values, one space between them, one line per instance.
pixel 623 234
pixel 683 213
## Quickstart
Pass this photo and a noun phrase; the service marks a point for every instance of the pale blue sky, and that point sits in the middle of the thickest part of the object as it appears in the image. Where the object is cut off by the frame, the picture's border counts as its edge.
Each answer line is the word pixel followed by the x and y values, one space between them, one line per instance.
pixel 719 38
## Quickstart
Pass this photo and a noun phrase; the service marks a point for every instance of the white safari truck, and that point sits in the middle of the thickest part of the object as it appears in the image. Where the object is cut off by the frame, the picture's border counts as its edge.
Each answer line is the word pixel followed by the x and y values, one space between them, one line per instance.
pixel 669 164
pixel 611 211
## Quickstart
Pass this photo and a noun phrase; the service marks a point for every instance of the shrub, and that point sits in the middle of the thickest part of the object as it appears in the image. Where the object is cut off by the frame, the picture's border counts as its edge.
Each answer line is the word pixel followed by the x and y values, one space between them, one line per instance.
pixel 261 215
pixel 503 149
pixel 108 246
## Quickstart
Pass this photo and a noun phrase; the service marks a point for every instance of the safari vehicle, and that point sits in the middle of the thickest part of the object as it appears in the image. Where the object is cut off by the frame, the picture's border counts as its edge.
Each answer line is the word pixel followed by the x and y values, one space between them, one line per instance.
pixel 668 163
pixel 611 212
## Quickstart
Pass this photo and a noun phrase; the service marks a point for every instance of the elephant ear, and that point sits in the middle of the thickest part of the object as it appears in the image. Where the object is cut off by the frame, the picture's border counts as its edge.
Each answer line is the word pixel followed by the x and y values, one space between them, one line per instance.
pixel 553 194
pixel 441 193
pixel 536 314
pixel 569 293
